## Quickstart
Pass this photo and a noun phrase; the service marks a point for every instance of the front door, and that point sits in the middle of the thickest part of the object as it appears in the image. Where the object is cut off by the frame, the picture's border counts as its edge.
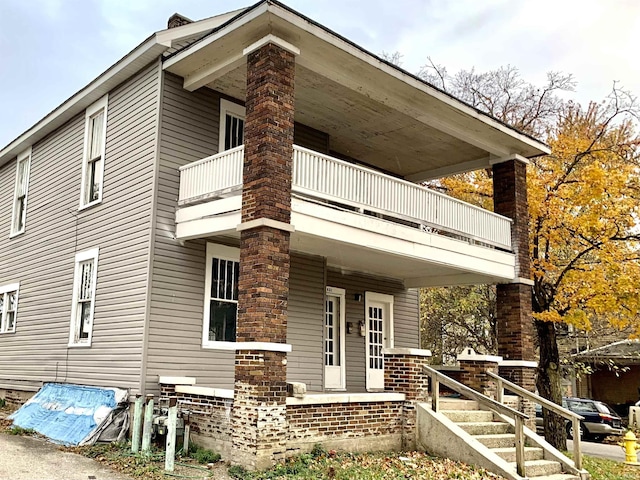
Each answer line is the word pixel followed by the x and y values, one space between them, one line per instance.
pixel 378 333
pixel 334 326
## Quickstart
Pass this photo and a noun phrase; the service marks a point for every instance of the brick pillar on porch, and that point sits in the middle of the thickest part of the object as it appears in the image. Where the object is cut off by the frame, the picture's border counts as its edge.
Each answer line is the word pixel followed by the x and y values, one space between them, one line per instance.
pixel 403 373
pixel 259 408
pixel 474 370
pixel 514 310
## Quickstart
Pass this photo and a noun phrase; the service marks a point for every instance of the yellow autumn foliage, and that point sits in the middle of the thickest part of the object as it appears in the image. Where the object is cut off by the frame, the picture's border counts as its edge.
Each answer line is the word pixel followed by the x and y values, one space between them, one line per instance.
pixel 584 206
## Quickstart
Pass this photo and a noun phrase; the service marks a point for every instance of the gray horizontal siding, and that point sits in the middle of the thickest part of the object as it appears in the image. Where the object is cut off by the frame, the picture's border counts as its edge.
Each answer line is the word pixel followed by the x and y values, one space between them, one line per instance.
pixel 305 321
pixel 42 259
pixel 189 132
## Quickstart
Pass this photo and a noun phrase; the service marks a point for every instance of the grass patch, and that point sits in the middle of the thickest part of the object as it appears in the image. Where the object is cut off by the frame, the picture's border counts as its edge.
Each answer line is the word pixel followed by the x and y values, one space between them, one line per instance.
pixel 146 466
pixel 601 469
pixel 203 455
pixel 21 431
pixel 368 466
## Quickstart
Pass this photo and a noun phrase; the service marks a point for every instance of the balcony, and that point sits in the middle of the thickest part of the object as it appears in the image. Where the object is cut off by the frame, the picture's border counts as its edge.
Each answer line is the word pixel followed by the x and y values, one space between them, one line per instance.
pixel 339 205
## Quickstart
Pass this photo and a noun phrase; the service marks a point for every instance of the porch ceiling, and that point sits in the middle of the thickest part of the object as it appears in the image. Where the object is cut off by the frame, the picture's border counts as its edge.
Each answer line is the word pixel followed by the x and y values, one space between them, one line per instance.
pixel 372 111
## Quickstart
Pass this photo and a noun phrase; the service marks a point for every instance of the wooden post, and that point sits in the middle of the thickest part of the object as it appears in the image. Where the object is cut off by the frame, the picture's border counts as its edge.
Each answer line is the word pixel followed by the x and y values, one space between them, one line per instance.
pixel 520 446
pixel 170 453
pixel 137 424
pixel 435 393
pixel 577 453
pixel 500 391
pixel 185 442
pixel 148 425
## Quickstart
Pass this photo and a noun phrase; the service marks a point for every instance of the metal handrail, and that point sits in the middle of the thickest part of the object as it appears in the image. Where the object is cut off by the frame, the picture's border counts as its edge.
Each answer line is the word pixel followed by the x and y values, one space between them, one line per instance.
pixel 437 378
pixel 503 384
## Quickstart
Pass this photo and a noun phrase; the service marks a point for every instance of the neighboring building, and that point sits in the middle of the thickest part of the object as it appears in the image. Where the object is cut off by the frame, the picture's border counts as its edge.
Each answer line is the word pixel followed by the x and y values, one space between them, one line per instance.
pixel 616 374
pixel 136 245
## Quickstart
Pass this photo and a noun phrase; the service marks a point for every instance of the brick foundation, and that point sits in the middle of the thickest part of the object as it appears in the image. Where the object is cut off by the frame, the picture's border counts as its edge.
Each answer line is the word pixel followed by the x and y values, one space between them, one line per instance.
pixel 209 418
pixel 15 398
pixel 366 426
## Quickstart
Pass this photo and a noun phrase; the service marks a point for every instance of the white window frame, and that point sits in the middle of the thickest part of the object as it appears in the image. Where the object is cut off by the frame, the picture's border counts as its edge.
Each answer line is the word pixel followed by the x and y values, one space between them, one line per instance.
pixel 23 157
pixel 89 113
pixel 74 331
pixel 221 252
pixel 4 292
pixel 234 109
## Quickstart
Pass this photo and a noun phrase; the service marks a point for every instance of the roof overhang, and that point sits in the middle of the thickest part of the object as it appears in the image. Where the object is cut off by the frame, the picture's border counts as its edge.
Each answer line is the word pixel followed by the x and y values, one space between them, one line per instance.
pixel 400 105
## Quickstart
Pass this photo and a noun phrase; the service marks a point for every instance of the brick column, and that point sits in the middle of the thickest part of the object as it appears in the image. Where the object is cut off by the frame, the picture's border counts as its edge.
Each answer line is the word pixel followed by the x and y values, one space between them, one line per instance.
pixel 403 374
pixel 515 322
pixel 474 370
pixel 259 408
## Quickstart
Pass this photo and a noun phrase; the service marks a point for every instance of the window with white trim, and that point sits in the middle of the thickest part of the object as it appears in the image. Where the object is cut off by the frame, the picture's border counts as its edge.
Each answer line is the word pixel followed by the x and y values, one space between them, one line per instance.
pixel 84 293
pixel 19 213
pixel 220 296
pixel 8 307
pixel 95 135
pixel 231 125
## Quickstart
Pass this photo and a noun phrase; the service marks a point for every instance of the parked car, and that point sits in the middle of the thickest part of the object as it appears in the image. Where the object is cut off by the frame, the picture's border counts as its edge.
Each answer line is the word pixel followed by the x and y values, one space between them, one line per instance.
pixel 600 420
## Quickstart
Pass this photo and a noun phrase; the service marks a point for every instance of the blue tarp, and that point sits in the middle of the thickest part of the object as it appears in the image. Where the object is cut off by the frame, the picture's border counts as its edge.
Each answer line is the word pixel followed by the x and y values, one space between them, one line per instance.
pixel 67 414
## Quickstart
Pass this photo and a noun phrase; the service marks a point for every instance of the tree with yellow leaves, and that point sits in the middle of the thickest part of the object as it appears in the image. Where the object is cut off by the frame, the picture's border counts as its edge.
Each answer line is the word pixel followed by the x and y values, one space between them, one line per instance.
pixel 584 205
pixel 584 202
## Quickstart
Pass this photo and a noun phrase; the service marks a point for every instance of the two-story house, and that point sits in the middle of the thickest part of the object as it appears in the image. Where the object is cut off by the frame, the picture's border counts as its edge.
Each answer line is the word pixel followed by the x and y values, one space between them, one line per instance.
pixel 236 205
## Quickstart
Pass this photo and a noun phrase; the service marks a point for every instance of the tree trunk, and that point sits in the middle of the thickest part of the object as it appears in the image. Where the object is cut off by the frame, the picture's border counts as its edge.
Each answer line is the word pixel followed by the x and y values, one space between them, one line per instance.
pixel 549 383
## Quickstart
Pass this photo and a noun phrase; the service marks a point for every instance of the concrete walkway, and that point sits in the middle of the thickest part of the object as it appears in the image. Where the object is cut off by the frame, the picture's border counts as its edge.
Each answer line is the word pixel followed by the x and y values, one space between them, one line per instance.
pixel 28 458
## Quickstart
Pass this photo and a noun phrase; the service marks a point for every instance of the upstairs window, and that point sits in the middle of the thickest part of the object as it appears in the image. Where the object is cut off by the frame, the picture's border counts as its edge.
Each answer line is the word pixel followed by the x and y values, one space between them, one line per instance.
pixel 221 295
pixel 95 134
pixel 8 307
pixel 231 125
pixel 84 290
pixel 19 214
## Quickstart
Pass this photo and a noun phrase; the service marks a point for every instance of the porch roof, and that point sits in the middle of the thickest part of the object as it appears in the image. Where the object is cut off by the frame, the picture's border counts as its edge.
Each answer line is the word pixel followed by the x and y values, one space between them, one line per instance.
pixel 372 110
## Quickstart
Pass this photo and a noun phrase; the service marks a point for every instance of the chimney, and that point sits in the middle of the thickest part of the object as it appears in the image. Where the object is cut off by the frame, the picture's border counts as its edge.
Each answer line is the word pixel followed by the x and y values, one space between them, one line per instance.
pixel 177 20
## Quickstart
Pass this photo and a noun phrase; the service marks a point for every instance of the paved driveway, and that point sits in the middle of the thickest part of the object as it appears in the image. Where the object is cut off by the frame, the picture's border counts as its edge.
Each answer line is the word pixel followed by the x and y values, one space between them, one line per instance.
pixel 28 458
pixel 600 450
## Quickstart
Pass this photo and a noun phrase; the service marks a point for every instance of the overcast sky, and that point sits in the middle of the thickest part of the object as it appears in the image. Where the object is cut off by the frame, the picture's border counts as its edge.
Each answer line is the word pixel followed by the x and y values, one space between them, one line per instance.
pixel 52 48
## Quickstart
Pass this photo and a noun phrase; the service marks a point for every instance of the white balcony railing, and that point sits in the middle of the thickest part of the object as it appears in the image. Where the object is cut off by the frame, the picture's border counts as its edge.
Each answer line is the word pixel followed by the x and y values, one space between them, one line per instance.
pixel 328 179
pixel 212 176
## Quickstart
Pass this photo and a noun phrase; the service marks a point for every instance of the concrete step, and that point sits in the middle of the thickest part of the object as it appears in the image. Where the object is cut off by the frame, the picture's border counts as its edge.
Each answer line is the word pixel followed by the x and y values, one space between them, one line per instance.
pixel 499 440
pixel 557 476
pixel 459 416
pixel 539 468
pixel 456 404
pixel 485 428
pixel 509 453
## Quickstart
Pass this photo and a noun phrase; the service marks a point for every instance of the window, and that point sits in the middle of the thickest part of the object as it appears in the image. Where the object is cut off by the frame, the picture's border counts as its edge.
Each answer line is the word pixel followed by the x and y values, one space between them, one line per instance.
pixel 231 125
pixel 8 307
pixel 84 290
pixel 220 296
pixel 19 215
pixel 95 134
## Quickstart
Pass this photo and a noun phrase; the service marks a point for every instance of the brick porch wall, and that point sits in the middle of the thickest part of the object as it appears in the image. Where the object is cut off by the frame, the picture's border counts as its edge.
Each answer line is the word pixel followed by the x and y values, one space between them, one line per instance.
pixel 363 426
pixel 209 417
